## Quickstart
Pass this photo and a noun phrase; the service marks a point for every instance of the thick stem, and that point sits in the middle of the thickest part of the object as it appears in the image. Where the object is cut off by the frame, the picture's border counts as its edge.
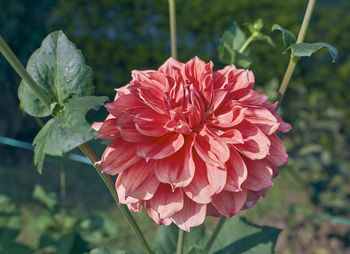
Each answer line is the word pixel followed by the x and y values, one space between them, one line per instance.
pixel 180 242
pixel 294 60
pixel 110 185
pixel 215 234
pixel 172 20
pixel 19 68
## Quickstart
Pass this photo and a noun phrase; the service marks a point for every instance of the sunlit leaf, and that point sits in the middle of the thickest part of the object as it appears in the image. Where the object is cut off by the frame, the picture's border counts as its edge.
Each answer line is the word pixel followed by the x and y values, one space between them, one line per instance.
pixel 59 68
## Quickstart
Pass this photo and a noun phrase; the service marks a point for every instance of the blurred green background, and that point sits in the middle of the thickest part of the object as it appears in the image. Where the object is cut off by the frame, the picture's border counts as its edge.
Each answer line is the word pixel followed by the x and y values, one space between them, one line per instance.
pixel 117 36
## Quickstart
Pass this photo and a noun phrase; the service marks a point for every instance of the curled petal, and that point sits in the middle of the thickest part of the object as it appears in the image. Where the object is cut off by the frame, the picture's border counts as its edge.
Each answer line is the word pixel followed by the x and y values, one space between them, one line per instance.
pixel 136 207
pixel 177 169
pixel 229 203
pixel 107 129
pixel 171 67
pixel 150 123
pixel 263 119
pixel 162 147
pixel 118 156
pixel 155 215
pixel 236 171
pixel 211 149
pixel 192 214
pixel 151 78
pixel 207 181
pixel 256 145
pixel 259 175
pixel 167 201
pixel 124 103
pixel 284 127
pixel 278 155
pixel 138 182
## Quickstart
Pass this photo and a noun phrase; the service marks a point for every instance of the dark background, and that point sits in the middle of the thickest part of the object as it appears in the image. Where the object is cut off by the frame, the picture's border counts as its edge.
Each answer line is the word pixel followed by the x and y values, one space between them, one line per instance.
pixel 119 36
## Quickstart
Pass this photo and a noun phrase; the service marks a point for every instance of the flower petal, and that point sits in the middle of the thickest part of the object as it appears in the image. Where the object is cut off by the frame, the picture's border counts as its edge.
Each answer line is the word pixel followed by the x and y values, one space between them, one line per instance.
pixel 167 201
pixel 278 155
pixel 210 149
pixel 177 169
pixel 191 215
pixel 138 181
pixel 256 145
pixel 124 103
pixel 118 156
pixel 229 203
pixel 150 123
pixel 107 129
pixel 236 171
pixel 259 175
pixel 162 147
pixel 262 118
pixel 155 215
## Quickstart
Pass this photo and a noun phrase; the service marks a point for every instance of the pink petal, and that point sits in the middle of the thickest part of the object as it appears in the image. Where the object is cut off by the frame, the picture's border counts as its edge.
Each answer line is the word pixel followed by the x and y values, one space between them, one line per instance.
pixel 138 181
pixel 229 203
pixel 262 118
pixel 118 156
pixel 150 123
pixel 177 169
pixel 152 97
pixel 212 211
pixel 284 127
pixel 249 96
pixel 167 201
pixel 135 207
pixel 155 215
pixel 151 78
pixel 236 171
pixel 229 115
pixel 210 149
pixel 221 77
pixel 256 144
pixel 191 215
pixel 124 103
pixel 106 129
pixel 278 155
pixel 162 147
pixel 207 181
pixel 171 67
pixel 126 126
pixel 259 175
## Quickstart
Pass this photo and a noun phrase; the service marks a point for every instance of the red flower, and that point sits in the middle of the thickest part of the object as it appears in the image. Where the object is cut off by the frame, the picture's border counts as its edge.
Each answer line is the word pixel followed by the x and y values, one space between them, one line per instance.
pixel 189 142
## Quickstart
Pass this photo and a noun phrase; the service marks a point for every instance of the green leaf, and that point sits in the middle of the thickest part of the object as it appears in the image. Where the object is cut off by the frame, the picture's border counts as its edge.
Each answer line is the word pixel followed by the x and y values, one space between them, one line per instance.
pixel 49 199
pixel 59 68
pixel 230 44
pixel 307 49
pixel 288 37
pixel 60 135
pixel 106 251
pixel 240 236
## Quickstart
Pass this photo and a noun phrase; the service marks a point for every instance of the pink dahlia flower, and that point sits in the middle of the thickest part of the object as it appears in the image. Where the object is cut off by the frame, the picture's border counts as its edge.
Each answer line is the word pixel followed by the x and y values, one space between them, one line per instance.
pixel 189 142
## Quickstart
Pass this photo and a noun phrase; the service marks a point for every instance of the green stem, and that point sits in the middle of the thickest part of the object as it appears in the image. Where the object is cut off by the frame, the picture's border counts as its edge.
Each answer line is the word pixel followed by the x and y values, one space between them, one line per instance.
pixel 19 68
pixel 215 234
pixel 180 242
pixel 172 20
pixel 293 59
pixel 246 43
pixel 110 185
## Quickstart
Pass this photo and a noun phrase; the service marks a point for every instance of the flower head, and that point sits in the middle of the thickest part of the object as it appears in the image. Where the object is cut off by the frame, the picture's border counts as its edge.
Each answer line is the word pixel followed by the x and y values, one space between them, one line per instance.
pixel 189 142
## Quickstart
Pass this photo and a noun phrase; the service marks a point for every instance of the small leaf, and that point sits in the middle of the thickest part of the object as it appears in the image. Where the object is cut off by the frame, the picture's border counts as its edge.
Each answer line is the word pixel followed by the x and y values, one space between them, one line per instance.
pixel 59 69
pixel 288 37
pixel 307 49
pixel 49 199
pixel 230 44
pixel 240 236
pixel 106 251
pixel 60 135
pixel 266 38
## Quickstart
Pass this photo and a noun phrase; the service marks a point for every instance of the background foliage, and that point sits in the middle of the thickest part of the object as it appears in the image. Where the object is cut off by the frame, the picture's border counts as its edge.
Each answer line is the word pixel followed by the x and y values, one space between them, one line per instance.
pixel 119 36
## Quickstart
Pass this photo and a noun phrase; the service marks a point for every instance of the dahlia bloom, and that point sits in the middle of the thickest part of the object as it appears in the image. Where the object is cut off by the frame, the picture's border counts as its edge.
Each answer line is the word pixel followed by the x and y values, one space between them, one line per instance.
pixel 189 142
